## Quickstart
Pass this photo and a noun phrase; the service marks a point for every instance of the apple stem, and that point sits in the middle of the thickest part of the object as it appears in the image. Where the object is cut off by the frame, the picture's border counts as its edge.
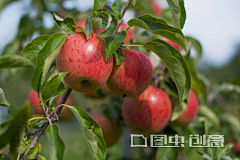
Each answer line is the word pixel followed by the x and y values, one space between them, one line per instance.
pixel 129 2
pixel 46 124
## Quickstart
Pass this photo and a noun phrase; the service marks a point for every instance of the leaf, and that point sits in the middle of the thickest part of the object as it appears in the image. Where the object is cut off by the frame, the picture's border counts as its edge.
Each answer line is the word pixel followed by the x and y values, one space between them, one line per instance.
pixel 33 152
pixel 210 115
pixel 197 84
pixel 12 47
pixel 168 153
pixel 3 101
pixel 57 144
pixel 32 49
pixel 42 158
pixel 178 12
pixel 113 42
pixel 119 56
pixel 45 58
pixel 65 24
pixel 93 133
pixel 88 27
pixel 175 64
pixel 12 110
pixel 13 133
pixel 196 44
pixel 15 61
pixel 96 23
pixel 223 151
pixel 109 31
pixel 159 27
pixel 117 10
pixel 227 88
pixel 54 87
pixel 98 4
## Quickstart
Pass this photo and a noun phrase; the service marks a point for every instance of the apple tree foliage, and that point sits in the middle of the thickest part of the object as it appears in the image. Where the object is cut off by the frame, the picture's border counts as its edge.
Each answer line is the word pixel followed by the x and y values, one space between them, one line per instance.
pixel 177 67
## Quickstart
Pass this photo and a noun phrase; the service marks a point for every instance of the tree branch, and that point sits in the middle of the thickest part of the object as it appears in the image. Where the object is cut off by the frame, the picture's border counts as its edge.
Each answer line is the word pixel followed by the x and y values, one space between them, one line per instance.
pixel 129 2
pixel 45 125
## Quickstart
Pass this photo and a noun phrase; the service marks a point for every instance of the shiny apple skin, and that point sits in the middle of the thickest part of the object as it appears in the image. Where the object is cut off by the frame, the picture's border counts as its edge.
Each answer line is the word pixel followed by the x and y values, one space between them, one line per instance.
pixel 132 76
pixel 85 61
pixel 148 113
pixel 111 131
pixel 190 112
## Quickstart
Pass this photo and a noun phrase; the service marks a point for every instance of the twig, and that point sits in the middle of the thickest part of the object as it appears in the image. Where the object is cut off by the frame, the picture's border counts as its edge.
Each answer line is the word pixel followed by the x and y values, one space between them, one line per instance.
pixel 45 125
pixel 129 2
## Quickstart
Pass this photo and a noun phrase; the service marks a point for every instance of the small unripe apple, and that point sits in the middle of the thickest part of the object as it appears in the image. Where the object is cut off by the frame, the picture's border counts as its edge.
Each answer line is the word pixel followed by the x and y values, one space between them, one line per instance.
pixel 111 131
pixel 132 76
pixel 175 45
pixel 85 61
pixel 34 101
pixel 102 92
pixel 190 112
pixel 157 9
pixel 66 113
pixel 148 113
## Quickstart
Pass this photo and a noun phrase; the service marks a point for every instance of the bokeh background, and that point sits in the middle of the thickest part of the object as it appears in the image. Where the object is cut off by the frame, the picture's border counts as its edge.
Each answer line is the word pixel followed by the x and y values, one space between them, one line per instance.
pixel 215 23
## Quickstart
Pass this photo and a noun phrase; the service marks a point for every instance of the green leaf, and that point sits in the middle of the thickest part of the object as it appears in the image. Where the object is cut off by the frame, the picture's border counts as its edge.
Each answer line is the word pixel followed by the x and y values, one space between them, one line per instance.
pixel 98 4
pixel 88 27
pixel 197 84
pixel 65 24
pixel 12 47
pixel 119 56
pixel 232 123
pixel 196 44
pixel 168 153
pixel 227 88
pixel 3 101
pixel 210 115
pixel 93 133
pixel 81 29
pixel 45 58
pixel 117 10
pixel 96 23
pixel 159 27
pixel 113 42
pixel 57 144
pixel 175 64
pixel 12 110
pixel 13 133
pixel 42 158
pixel 14 61
pixel 33 152
pixel 54 87
pixel 178 12
pixel 223 151
pixel 33 48
pixel 109 31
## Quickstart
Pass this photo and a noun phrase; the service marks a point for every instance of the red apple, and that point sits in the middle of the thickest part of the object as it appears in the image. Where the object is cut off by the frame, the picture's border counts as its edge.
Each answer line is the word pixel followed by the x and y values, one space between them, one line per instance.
pixel 111 131
pixel 132 76
pixel 34 101
pixel 157 9
pixel 236 145
pixel 66 113
pixel 148 113
pixel 190 112
pixel 85 61
pixel 175 45
pixel 102 92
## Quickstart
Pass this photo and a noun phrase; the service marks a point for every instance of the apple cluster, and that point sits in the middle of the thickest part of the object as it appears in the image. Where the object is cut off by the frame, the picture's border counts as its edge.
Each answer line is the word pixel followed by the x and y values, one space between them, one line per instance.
pixel 145 110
